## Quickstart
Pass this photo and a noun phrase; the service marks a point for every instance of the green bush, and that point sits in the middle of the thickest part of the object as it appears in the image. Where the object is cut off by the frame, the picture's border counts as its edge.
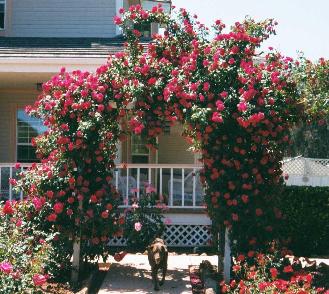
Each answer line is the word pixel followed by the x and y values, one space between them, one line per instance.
pixel 305 219
pixel 143 222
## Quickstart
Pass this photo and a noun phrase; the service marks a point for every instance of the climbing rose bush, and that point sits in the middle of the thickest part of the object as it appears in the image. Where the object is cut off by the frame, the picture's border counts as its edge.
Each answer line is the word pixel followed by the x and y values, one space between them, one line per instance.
pixel 237 110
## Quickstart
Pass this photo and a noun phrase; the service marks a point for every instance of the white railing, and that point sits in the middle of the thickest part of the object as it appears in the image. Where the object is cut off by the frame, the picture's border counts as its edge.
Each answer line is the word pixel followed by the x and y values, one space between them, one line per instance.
pixel 178 185
pixel 9 171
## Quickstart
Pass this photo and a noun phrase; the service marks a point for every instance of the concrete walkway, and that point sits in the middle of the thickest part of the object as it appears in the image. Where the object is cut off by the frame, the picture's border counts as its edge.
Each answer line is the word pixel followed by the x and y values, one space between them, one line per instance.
pixel 133 275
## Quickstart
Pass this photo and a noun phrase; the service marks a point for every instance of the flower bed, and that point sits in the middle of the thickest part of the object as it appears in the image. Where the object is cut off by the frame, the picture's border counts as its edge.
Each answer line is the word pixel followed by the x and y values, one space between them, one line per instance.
pixel 272 274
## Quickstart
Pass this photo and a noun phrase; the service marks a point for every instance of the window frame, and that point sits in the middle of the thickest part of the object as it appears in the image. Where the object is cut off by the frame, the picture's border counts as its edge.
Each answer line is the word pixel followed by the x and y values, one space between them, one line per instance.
pixel 133 154
pixel 16 137
pixel 4 2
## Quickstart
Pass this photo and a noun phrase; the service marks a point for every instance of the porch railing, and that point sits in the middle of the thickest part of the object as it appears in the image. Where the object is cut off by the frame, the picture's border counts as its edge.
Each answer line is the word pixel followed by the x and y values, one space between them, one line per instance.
pixel 178 185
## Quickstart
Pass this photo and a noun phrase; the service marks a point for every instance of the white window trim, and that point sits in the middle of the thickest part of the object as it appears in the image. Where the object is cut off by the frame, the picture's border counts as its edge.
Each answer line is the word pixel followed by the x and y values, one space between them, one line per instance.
pixel 16 139
pixel 4 17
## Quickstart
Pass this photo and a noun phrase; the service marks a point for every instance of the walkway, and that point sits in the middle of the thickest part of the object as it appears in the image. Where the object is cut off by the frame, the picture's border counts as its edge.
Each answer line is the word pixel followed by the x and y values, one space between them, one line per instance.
pixel 133 275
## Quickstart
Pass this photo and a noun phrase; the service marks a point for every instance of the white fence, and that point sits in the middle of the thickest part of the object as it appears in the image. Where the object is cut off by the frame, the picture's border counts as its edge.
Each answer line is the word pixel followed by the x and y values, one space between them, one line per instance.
pixel 304 171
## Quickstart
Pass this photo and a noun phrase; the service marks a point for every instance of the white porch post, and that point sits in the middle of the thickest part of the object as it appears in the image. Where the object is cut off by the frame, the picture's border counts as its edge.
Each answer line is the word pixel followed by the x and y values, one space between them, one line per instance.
pixel 227 257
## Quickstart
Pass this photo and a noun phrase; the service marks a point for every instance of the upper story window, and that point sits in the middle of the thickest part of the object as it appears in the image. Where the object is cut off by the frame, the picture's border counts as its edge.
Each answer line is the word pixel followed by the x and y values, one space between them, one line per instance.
pixel 27 128
pixel 2 13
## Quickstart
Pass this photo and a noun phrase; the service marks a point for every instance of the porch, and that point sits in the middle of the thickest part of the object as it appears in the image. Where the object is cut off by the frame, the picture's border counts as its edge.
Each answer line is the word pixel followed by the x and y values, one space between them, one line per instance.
pixel 178 185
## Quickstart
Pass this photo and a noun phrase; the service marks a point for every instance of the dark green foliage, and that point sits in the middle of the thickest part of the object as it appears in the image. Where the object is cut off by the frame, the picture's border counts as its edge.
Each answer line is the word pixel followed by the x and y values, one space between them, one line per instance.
pixel 306 219
pixel 148 214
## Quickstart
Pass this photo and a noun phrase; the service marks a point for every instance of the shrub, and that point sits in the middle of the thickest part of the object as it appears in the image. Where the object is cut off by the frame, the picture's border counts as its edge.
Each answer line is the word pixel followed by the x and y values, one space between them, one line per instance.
pixel 305 219
pixel 143 222
pixel 269 273
pixel 24 251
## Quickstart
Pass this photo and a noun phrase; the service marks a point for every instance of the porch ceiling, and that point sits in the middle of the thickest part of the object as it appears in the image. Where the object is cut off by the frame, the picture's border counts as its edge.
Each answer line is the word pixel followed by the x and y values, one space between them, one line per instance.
pixel 23 80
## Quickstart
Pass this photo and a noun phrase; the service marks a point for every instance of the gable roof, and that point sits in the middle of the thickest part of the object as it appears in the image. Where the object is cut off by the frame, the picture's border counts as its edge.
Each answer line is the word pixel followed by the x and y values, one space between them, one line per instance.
pixel 11 47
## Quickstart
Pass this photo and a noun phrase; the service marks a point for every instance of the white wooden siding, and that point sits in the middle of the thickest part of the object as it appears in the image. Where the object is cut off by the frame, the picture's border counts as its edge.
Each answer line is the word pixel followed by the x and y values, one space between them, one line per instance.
pixel 173 148
pixel 63 18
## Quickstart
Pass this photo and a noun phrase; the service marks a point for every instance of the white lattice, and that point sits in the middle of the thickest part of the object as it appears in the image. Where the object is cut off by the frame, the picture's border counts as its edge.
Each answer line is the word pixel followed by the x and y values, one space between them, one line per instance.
pixel 187 235
pixel 301 166
pixel 179 236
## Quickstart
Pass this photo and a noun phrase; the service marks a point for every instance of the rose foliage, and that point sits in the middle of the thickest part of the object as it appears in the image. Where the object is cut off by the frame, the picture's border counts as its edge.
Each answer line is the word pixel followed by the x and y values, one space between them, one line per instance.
pixel 270 273
pixel 143 221
pixel 237 110
pixel 24 251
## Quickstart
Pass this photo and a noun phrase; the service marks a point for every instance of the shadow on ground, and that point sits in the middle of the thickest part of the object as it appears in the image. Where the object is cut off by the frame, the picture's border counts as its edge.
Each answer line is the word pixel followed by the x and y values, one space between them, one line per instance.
pixel 129 279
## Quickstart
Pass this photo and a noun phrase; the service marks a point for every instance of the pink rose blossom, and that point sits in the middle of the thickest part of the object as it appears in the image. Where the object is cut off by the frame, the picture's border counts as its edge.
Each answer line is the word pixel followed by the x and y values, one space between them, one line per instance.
pixel 242 106
pixel 6 267
pixel 138 226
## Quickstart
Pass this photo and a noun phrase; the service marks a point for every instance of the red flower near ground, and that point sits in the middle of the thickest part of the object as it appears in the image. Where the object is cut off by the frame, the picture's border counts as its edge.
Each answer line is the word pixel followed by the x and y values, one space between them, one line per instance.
pixel 39 279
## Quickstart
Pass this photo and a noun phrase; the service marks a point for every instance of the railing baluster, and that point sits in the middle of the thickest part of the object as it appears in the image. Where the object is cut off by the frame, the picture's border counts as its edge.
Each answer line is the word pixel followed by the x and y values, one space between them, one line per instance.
pixel 10 185
pixel 183 192
pixel 171 186
pixel 138 181
pixel 160 188
pixel 150 176
pixel 193 193
pixel 117 179
pixel 127 187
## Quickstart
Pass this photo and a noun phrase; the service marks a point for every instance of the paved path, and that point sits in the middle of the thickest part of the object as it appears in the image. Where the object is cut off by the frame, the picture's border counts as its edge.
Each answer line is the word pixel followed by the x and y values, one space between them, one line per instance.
pixel 132 275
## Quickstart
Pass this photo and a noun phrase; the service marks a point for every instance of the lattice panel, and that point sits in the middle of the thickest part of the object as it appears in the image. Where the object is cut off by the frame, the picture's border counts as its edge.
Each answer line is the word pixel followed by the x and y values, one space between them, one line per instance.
pixel 301 166
pixel 187 235
pixel 179 236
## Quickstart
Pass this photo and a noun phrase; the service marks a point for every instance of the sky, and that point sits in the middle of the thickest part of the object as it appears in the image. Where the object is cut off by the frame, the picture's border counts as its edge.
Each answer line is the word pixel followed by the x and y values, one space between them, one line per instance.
pixel 303 25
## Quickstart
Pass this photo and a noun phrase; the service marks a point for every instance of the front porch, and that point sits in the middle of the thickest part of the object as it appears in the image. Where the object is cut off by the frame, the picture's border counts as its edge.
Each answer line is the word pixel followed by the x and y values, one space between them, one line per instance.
pixel 178 185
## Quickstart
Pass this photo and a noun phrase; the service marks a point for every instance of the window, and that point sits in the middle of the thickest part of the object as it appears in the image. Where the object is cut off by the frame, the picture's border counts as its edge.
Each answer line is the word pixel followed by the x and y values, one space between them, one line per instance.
pixel 2 13
pixel 139 152
pixel 27 128
pixel 145 29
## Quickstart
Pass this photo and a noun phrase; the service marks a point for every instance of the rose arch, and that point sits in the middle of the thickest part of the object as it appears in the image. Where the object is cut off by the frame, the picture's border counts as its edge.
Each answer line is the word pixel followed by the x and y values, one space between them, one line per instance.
pixel 236 108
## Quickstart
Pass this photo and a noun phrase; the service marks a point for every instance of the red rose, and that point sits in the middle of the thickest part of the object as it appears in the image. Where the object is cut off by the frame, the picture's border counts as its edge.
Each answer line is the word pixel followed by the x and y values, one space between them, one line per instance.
pixel 93 199
pixel 39 280
pixel 274 272
pixel 288 269
pixel 52 217
pixel 259 212
pixel 58 207
pixel 7 208
pixel 105 214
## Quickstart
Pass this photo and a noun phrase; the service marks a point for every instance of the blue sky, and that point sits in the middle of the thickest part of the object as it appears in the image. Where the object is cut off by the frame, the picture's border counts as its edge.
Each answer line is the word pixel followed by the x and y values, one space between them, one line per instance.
pixel 303 24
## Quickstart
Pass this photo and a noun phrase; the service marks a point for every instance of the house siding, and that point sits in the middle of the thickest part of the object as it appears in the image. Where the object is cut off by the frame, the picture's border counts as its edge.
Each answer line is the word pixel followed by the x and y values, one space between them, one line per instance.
pixel 63 18
pixel 10 101
pixel 173 148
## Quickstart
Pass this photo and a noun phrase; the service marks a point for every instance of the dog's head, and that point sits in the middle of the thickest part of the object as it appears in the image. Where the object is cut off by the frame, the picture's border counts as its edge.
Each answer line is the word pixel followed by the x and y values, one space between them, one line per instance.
pixel 157 250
